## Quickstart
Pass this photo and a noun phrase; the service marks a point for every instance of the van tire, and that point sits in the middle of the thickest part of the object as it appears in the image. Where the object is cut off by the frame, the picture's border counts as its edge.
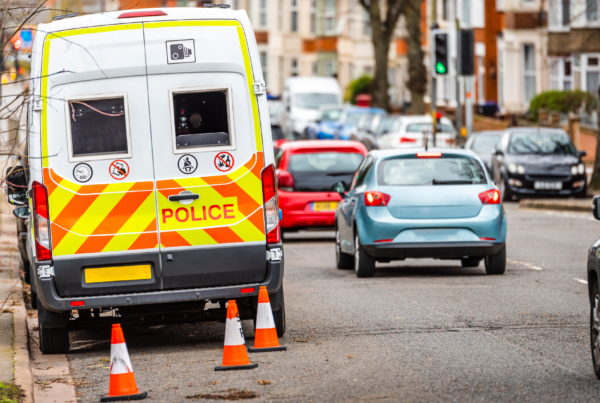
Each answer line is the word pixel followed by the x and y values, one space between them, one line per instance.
pixel 343 261
pixel 364 265
pixel 496 264
pixel 53 329
pixel 279 317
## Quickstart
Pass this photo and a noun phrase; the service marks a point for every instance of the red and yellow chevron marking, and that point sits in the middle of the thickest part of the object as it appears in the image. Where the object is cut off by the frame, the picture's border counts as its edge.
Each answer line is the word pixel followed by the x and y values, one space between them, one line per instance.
pixel 229 209
pixel 100 218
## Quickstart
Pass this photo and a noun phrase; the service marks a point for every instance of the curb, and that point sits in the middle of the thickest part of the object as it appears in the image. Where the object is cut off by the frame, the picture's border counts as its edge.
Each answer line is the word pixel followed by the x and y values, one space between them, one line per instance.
pixel 21 357
pixel 551 205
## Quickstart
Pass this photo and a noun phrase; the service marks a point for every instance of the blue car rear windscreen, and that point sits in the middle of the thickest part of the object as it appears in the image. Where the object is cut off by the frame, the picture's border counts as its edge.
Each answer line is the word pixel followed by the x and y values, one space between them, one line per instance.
pixel 430 171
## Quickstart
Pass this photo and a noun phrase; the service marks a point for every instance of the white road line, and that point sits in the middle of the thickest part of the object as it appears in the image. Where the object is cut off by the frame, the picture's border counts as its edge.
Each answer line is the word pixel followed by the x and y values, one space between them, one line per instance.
pixel 581 216
pixel 531 266
pixel 580 280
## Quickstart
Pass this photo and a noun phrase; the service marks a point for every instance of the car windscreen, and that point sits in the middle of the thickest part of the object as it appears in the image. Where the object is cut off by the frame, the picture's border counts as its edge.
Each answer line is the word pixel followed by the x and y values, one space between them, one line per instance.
pixel 426 128
pixel 352 119
pixel 538 142
pixel 430 172
pixel 386 125
pixel 318 171
pixel 331 115
pixel 277 133
pixel 485 143
pixel 313 101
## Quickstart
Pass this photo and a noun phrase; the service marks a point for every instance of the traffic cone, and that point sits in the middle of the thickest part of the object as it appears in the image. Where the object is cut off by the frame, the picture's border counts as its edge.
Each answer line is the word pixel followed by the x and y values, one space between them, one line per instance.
pixel 265 335
pixel 235 355
pixel 122 384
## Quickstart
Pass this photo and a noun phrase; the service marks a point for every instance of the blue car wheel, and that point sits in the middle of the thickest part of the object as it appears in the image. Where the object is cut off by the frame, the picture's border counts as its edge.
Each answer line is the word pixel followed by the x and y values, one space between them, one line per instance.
pixel 343 260
pixel 364 265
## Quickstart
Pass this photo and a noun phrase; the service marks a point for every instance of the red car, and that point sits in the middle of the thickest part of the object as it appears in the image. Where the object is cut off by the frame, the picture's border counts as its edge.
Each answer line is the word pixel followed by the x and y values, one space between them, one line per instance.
pixel 306 170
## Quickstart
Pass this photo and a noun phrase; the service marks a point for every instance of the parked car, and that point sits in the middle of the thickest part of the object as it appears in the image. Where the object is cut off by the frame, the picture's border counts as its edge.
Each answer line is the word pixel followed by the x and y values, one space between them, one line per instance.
pixel 534 161
pixel 278 138
pixel 302 97
pixel 416 203
pixel 351 117
pixel 380 125
pixel 327 121
pixel 306 170
pixel 413 130
pixel 482 144
pixel 274 111
pixel 593 277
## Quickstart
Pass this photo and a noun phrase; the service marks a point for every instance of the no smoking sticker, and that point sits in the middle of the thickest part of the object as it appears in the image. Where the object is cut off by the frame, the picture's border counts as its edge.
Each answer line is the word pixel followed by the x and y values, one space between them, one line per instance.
pixel 118 169
pixel 224 161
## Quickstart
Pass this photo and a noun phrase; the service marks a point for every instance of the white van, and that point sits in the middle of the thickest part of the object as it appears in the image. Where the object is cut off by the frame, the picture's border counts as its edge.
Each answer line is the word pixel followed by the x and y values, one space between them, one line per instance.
pixel 411 131
pixel 302 97
pixel 151 179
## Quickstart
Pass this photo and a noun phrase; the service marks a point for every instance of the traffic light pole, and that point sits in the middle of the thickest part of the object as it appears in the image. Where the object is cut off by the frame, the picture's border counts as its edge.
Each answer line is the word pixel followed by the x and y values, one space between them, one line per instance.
pixel 459 120
pixel 433 108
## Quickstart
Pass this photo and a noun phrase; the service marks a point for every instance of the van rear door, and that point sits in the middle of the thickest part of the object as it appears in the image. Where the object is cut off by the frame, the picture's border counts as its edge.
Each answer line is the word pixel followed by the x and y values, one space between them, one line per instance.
pixel 97 164
pixel 207 151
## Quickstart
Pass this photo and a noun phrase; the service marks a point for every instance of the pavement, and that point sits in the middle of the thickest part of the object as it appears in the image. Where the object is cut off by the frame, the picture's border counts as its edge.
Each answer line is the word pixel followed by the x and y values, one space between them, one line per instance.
pixel 419 331
pixel 568 204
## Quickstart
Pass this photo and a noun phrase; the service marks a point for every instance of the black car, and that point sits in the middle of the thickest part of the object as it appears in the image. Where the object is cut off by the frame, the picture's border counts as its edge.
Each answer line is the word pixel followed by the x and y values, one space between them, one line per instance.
pixel 482 144
pixel 535 161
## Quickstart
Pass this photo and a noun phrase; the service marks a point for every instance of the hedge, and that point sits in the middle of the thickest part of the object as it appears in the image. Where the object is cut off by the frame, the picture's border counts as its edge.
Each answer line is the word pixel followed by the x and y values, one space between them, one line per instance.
pixel 563 101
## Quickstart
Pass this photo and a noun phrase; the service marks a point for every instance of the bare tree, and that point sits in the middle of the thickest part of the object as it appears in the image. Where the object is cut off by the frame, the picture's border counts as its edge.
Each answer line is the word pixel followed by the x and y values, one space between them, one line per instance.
pixel 417 73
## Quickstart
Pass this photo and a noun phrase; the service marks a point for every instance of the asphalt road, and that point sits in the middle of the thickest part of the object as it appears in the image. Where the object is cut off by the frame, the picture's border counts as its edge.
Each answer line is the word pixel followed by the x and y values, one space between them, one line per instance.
pixel 420 330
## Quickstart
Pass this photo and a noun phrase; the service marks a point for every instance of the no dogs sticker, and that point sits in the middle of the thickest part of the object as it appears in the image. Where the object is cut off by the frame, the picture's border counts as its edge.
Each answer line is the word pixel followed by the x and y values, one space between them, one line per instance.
pixel 224 161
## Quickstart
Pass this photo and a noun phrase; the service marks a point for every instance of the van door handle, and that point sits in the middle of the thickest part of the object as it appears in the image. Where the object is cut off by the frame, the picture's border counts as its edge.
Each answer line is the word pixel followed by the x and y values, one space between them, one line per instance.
pixel 184 196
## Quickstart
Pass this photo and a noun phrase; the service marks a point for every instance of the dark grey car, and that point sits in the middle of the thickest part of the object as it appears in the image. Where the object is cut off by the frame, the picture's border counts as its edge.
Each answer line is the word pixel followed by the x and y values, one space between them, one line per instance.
pixel 593 274
pixel 483 143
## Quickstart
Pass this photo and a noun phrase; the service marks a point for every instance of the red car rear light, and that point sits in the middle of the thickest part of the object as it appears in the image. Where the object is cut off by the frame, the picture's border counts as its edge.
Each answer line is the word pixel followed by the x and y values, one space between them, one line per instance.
pixel 491 196
pixel 285 181
pixel 41 222
pixel 407 140
pixel 449 141
pixel 429 155
pixel 137 14
pixel 374 199
pixel 270 204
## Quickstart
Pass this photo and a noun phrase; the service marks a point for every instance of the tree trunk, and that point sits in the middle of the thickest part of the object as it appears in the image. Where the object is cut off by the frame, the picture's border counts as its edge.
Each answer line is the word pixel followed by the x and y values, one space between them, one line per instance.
pixel 417 73
pixel 380 84
pixel 595 182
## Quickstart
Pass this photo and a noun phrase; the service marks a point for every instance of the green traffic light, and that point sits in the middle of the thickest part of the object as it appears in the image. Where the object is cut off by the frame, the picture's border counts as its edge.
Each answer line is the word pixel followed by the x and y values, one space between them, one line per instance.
pixel 440 68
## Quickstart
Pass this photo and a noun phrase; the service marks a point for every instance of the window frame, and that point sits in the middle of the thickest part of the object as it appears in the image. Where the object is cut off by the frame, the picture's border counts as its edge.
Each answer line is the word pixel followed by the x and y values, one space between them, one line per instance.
pixel 230 118
pixel 97 157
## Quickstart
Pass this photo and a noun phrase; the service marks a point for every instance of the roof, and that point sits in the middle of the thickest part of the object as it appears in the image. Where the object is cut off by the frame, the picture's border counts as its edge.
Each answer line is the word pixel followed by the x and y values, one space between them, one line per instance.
pixel 112 17
pixel 408 151
pixel 324 144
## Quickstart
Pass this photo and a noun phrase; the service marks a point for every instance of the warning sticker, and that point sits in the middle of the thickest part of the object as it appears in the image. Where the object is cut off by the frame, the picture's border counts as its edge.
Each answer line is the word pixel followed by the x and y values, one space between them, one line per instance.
pixel 118 169
pixel 224 161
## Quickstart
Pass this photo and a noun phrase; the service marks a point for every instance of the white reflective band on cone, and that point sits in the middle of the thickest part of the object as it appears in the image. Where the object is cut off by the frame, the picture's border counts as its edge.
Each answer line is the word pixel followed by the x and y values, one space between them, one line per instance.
pixel 265 317
pixel 119 359
pixel 234 335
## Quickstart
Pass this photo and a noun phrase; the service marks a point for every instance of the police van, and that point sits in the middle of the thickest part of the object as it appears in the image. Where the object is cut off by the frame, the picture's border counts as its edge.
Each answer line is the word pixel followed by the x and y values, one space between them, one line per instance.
pixel 151 192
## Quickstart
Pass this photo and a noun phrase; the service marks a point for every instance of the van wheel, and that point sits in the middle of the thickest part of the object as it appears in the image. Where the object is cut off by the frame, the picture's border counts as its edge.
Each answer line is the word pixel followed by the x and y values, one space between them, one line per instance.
pixel 470 262
pixel 496 264
pixel 343 260
pixel 364 265
pixel 279 317
pixel 54 333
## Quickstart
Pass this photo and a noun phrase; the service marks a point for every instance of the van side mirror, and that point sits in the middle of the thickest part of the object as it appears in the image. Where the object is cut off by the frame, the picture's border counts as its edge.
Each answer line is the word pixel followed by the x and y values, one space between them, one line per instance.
pixel 22 212
pixel 339 188
pixel 596 207
pixel 16 185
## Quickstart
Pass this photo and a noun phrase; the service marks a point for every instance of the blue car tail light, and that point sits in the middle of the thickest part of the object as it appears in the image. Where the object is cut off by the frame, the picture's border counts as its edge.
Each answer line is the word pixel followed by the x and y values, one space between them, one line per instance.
pixel 374 199
pixel 491 196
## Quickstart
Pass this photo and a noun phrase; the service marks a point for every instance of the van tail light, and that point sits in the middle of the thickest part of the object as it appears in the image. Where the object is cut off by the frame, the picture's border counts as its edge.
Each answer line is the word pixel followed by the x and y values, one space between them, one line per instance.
pixel 407 140
pixel 491 196
pixel 41 222
pixel 270 204
pixel 285 181
pixel 138 14
pixel 374 199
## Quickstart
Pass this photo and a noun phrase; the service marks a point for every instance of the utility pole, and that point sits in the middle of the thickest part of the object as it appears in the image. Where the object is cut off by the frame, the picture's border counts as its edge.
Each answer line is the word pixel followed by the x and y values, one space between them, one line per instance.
pixel 459 120
pixel 433 109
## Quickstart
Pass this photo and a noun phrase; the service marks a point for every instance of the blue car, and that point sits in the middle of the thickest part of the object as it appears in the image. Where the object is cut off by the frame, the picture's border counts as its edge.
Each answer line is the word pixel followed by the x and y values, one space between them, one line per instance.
pixel 342 129
pixel 416 203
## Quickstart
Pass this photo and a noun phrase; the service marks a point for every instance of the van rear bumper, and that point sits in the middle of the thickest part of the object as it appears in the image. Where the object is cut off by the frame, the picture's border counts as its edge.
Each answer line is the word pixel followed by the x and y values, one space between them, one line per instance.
pixel 46 289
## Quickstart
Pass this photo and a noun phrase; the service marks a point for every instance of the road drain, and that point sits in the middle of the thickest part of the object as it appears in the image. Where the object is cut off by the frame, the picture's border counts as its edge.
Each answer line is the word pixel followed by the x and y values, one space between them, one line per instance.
pixel 229 394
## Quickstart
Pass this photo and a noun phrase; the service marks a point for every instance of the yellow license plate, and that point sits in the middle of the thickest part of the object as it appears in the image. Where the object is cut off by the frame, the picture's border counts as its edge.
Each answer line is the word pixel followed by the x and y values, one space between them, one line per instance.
pixel 118 273
pixel 325 206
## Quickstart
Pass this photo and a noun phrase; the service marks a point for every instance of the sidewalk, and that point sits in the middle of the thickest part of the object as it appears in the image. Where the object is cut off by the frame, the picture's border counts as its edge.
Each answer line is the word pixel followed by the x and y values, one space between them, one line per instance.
pixel 584 205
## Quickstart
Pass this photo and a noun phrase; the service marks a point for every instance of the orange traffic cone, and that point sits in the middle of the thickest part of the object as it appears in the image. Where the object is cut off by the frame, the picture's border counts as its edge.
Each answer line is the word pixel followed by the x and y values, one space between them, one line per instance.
pixel 122 384
pixel 235 355
pixel 265 336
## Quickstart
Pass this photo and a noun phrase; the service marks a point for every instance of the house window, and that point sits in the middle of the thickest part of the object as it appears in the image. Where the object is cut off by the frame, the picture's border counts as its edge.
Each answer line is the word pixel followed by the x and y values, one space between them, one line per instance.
pixel 313 69
pixel 98 127
pixel 313 17
pixel 294 68
pixel 480 79
pixel 330 68
pixel 263 62
pixel 294 16
pixel 329 17
pixel 528 72
pixel 467 12
pixel 202 118
pixel 591 11
pixel 263 13
pixel 554 70
pixel 566 12
pixel 500 74
pixel 280 15
pixel 366 24
pixel 592 75
pixel 568 75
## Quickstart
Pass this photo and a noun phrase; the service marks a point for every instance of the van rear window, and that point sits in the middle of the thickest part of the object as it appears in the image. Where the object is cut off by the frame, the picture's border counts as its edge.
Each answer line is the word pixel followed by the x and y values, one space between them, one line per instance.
pixel 98 126
pixel 201 119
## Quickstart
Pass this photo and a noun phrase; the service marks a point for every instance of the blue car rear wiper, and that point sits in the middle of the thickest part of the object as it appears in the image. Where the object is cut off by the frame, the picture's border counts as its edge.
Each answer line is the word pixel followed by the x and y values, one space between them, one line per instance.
pixel 455 182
